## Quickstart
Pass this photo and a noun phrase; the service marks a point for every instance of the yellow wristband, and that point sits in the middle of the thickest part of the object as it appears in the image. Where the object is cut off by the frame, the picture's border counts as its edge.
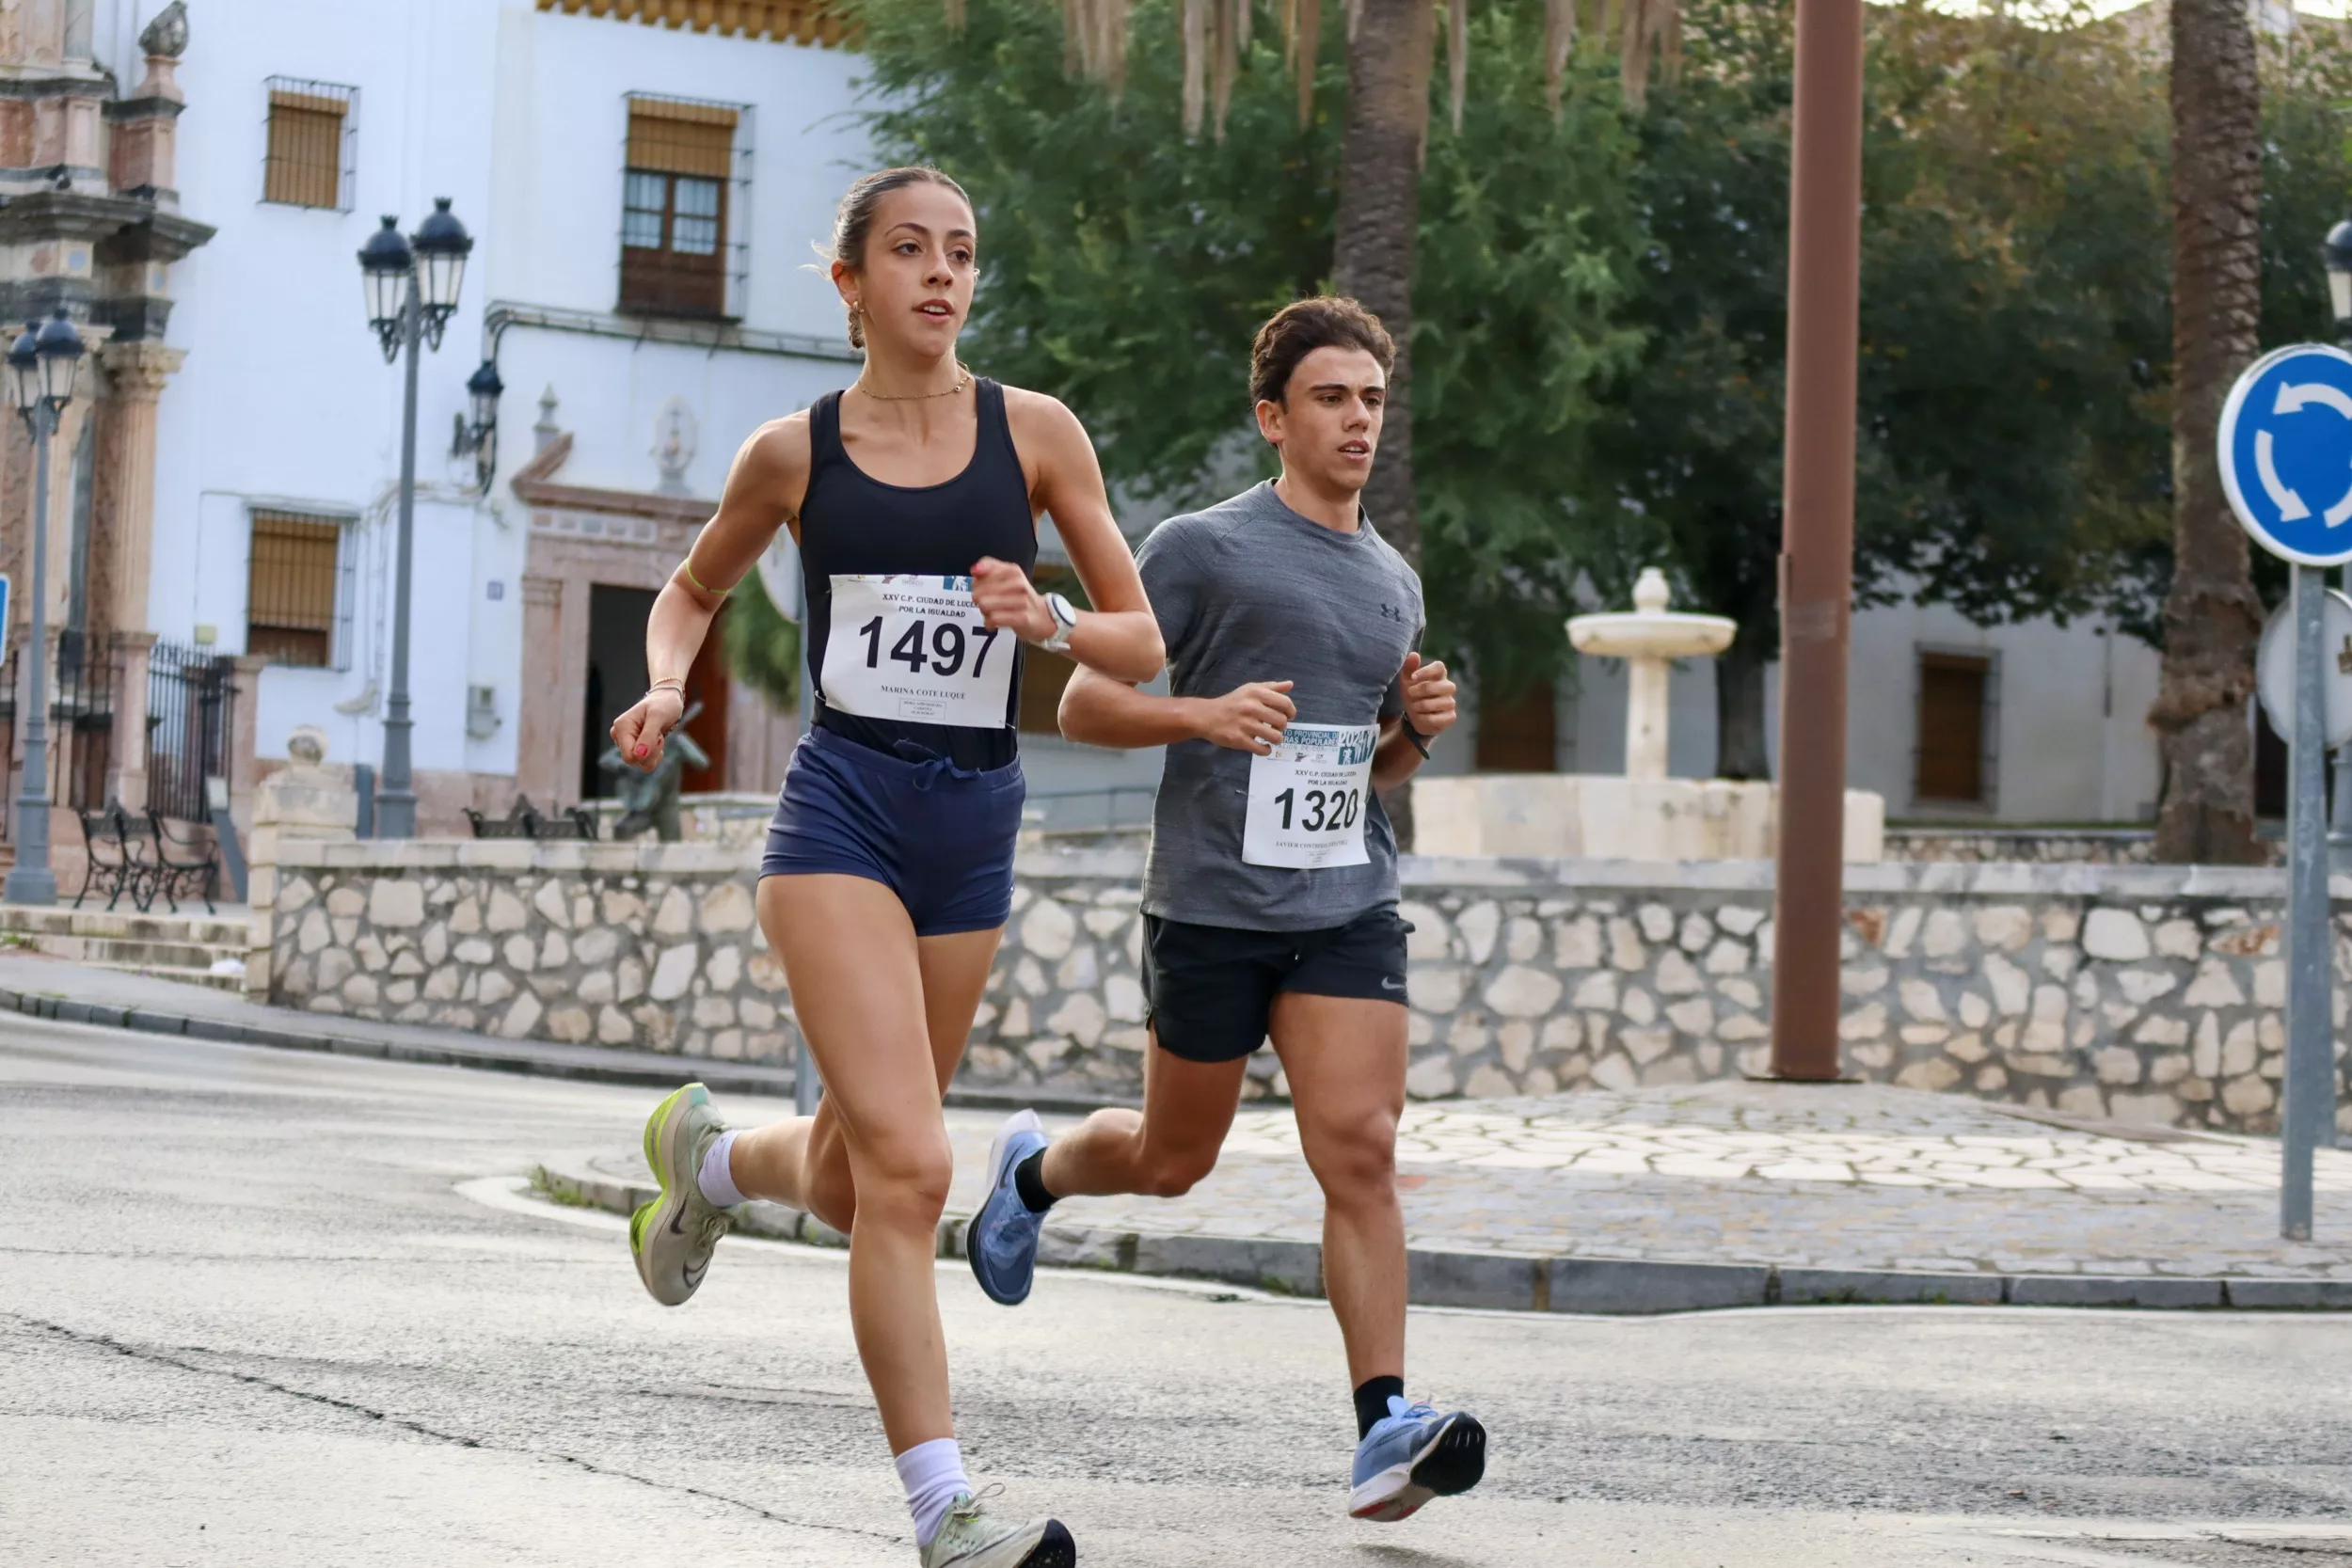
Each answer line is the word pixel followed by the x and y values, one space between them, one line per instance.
pixel 688 567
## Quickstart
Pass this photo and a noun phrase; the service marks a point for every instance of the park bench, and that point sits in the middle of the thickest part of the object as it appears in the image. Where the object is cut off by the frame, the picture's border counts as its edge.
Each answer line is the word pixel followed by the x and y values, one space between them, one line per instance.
pixel 116 862
pixel 186 864
pixel 522 820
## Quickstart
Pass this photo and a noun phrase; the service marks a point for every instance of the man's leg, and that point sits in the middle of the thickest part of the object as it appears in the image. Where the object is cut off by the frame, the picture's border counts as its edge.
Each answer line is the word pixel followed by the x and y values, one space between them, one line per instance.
pixel 1161 1151
pixel 1344 1058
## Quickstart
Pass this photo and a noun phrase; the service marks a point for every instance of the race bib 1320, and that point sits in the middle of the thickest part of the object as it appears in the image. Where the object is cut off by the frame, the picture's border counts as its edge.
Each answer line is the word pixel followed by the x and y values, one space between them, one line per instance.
pixel 915 648
pixel 1308 797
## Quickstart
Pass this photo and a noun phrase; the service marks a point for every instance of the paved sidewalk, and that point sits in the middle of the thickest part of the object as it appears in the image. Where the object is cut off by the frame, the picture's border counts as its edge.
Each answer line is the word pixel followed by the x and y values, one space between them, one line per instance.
pixel 1717 1195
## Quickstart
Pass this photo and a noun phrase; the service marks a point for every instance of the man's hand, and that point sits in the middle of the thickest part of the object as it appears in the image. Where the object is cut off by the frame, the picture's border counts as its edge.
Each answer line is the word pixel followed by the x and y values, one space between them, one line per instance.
pixel 1008 599
pixel 1428 697
pixel 1249 718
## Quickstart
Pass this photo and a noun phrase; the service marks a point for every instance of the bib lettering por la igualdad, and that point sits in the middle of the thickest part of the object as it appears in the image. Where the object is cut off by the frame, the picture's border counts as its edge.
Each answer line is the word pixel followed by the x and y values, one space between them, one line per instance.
pixel 916 649
pixel 1308 797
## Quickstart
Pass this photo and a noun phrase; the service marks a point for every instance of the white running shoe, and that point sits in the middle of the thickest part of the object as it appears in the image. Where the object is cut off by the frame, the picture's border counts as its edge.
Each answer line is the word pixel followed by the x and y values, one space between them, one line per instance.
pixel 972 1538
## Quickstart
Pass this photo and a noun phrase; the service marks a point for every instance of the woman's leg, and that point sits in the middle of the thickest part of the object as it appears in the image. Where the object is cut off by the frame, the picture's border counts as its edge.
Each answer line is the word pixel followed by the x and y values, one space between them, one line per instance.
pixel 856 972
pixel 803 1161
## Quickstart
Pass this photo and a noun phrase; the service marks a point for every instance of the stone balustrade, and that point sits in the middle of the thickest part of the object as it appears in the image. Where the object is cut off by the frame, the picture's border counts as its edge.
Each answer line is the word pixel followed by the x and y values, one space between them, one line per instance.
pixel 2145 993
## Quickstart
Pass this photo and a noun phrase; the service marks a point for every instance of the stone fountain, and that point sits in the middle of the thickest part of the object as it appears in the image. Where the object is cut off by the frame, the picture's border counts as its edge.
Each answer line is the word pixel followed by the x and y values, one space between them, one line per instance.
pixel 1641 815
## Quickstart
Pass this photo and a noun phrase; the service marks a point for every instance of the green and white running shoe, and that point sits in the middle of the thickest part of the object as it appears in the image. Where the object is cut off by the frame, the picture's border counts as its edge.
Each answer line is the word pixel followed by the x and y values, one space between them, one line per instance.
pixel 673 1236
pixel 971 1539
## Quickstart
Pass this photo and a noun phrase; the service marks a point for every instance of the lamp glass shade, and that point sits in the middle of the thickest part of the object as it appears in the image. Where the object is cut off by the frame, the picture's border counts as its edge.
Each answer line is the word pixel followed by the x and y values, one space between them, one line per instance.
pixel 484 388
pixel 2340 293
pixel 23 373
pixel 59 350
pixel 442 244
pixel 385 262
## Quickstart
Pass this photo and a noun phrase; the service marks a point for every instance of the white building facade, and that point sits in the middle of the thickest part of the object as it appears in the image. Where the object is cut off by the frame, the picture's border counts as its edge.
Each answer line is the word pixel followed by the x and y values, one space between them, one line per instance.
pixel 644 182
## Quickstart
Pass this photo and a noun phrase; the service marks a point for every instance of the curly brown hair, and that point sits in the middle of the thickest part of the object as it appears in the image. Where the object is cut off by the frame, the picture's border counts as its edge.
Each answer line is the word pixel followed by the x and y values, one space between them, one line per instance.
pixel 1304 325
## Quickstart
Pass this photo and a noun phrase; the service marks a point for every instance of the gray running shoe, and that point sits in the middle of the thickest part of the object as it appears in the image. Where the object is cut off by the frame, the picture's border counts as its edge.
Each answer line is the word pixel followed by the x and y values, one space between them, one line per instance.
pixel 971 1539
pixel 673 1236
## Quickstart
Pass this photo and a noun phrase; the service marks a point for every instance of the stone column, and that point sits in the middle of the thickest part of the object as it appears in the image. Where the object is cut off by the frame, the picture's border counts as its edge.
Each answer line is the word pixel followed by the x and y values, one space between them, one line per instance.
pixel 539 726
pixel 126 765
pixel 246 681
pixel 138 371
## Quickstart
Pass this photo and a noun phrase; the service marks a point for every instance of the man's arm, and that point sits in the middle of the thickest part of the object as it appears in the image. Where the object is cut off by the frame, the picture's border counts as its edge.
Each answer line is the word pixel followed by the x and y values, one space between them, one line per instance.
pixel 1100 711
pixel 1429 712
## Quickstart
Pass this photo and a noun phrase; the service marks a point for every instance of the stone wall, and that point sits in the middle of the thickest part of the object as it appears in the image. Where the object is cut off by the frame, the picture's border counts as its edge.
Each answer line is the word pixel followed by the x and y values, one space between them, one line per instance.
pixel 2144 993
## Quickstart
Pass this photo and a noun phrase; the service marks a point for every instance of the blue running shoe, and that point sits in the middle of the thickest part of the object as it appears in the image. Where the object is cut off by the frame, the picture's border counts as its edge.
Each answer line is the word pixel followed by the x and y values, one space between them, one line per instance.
pixel 1001 1240
pixel 1413 1455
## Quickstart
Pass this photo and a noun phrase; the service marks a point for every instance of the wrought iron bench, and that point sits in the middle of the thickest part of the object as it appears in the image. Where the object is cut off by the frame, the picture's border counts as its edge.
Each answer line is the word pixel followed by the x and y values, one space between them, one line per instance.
pixel 194 871
pixel 523 820
pixel 117 862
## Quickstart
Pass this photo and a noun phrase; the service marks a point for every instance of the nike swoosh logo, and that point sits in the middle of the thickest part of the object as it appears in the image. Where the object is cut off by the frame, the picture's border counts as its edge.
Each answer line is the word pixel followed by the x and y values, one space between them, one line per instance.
pixel 1386 983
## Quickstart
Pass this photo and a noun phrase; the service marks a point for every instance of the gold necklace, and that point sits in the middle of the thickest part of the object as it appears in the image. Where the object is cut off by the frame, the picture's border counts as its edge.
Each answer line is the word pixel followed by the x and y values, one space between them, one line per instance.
pixel 963 379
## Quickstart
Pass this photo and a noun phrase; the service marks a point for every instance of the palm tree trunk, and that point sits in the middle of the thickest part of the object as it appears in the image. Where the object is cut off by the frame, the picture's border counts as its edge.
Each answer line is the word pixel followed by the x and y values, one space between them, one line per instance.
pixel 2212 617
pixel 1388 115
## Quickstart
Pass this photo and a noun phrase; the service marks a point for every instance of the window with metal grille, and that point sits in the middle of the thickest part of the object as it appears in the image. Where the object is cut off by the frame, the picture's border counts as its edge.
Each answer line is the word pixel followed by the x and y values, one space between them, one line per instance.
pixel 312 129
pixel 295 599
pixel 1520 734
pixel 680 181
pixel 1955 706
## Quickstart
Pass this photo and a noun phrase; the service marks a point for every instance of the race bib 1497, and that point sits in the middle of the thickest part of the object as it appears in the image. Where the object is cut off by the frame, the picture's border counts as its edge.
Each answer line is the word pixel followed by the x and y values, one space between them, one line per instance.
pixel 915 648
pixel 1308 797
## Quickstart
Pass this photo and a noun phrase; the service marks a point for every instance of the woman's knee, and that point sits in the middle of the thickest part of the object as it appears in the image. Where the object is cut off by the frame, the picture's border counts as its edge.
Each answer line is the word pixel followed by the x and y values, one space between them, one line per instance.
pixel 904 1182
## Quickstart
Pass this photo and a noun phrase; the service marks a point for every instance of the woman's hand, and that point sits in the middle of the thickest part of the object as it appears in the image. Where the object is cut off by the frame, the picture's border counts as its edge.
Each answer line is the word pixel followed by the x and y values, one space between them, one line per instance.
pixel 1009 600
pixel 641 731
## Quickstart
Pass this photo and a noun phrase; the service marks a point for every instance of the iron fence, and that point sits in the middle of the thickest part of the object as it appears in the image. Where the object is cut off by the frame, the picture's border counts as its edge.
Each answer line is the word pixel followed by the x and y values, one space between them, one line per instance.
pixel 81 723
pixel 191 704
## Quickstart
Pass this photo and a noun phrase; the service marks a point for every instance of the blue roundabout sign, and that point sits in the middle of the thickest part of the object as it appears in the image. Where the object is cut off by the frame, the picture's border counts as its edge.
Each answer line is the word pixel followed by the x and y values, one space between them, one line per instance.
pixel 2287 453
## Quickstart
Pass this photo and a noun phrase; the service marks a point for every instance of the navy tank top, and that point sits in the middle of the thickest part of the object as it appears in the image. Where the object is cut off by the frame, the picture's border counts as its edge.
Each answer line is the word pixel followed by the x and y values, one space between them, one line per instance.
pixel 853 524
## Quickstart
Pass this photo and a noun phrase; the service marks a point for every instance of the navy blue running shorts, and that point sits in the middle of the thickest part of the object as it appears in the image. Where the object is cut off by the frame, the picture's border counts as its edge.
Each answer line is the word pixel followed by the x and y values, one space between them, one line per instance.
pixel 938 836
pixel 1210 989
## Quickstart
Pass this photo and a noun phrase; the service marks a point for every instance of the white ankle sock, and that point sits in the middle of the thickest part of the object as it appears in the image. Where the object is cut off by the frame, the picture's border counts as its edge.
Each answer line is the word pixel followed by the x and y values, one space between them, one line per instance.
pixel 932 1474
pixel 717 1177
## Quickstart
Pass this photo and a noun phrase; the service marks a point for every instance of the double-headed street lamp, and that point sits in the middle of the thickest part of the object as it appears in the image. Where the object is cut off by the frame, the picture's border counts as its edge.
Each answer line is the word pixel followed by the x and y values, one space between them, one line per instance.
pixel 412 286
pixel 41 368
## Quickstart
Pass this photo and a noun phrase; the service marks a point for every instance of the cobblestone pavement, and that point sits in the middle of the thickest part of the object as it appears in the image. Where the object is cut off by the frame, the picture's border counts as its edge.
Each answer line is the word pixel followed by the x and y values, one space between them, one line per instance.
pixel 1849 1176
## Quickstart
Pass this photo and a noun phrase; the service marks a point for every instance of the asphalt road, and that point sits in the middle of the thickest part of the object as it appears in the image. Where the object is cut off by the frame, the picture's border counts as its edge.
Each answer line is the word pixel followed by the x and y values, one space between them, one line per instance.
pixel 263 1308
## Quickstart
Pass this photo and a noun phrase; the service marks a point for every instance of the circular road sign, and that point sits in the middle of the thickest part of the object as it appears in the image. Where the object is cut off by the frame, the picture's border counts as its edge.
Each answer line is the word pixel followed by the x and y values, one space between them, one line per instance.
pixel 2287 453
pixel 2274 670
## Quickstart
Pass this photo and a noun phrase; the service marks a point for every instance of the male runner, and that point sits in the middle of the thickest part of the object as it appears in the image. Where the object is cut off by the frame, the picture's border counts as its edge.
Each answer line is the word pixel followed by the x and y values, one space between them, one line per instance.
pixel 1270 897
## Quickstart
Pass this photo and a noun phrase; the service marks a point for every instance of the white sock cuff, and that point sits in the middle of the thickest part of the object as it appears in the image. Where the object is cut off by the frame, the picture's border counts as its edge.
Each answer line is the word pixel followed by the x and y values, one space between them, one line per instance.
pixel 717 1177
pixel 932 1474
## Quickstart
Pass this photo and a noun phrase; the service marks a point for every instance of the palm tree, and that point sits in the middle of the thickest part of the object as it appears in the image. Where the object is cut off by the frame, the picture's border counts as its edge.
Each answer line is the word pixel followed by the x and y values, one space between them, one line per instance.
pixel 2212 617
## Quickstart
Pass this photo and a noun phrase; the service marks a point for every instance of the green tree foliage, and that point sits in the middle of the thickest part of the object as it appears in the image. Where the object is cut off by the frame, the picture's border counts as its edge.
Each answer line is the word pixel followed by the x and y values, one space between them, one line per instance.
pixel 1600 299
pixel 762 649
pixel 1124 270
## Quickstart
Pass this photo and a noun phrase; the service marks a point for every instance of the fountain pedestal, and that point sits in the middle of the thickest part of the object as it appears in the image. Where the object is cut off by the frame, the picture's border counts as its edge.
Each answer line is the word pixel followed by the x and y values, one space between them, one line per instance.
pixel 1644 815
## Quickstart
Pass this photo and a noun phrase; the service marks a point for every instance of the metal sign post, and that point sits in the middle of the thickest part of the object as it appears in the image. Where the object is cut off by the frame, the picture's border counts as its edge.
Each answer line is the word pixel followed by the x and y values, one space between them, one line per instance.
pixel 2286 463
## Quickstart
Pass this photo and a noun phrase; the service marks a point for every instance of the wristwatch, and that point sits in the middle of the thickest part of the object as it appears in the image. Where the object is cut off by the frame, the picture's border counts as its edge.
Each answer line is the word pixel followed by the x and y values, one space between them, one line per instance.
pixel 1065 621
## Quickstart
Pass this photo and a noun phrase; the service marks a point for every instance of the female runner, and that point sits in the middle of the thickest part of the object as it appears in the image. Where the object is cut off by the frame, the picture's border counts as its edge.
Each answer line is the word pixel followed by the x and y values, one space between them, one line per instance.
pixel 888 874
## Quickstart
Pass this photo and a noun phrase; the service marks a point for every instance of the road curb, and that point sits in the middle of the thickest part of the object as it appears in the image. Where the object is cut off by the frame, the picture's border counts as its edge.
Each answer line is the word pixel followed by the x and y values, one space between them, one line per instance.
pixel 1521 1282
pixel 586 1065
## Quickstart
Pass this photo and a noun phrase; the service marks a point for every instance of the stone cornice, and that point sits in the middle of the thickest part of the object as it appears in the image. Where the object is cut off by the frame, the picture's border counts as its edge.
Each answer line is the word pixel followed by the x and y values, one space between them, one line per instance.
pixel 159 237
pixel 535 484
pixel 803 22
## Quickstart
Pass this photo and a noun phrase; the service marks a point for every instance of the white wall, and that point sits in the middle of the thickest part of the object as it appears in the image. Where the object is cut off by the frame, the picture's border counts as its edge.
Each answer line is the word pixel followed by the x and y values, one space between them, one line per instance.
pixel 518 117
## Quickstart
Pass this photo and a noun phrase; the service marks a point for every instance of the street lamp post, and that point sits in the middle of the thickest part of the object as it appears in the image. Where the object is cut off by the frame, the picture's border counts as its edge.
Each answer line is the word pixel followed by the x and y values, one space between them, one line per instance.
pixel 2337 254
pixel 41 368
pixel 412 286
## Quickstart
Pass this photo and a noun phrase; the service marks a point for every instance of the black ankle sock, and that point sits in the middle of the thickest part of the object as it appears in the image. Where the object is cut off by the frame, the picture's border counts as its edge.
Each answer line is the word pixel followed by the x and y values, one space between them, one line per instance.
pixel 1028 1180
pixel 1372 1401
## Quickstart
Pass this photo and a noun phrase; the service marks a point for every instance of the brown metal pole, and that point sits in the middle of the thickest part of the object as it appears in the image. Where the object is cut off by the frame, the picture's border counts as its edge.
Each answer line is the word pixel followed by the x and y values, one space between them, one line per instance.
pixel 1817 534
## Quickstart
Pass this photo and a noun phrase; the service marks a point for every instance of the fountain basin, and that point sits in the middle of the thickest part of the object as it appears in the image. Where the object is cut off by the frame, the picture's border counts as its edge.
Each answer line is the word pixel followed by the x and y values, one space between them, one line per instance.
pixel 1637 635
pixel 1608 816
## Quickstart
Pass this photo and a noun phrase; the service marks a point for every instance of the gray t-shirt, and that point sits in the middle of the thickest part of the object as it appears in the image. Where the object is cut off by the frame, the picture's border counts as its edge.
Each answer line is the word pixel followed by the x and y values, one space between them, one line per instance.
pixel 1250 591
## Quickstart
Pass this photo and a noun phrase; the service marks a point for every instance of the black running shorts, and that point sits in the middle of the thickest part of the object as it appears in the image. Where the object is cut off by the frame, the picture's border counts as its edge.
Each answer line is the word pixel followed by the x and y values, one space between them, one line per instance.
pixel 1211 988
